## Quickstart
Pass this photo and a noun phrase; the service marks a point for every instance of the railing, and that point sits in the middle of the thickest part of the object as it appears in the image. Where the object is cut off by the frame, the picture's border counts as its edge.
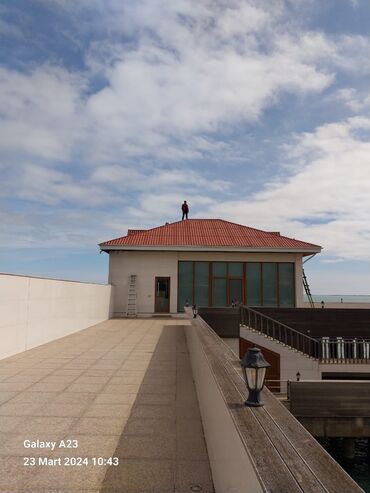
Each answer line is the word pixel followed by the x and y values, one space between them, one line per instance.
pixel 278 387
pixel 325 349
pixel 277 330
pixel 339 349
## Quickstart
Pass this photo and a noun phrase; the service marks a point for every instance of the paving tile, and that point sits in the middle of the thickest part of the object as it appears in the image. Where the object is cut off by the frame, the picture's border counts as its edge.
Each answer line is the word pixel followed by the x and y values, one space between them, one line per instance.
pixel 45 424
pixel 104 426
pixel 65 372
pixel 37 371
pixel 57 409
pixel 14 386
pixel 14 475
pixel 67 478
pixel 146 447
pixel 85 387
pixel 185 425
pixel 132 368
pixel 193 473
pixel 24 378
pixel 92 379
pixel 6 396
pixel 187 411
pixel 58 379
pixel 159 380
pixel 10 423
pixel 191 447
pixel 121 389
pixel 157 389
pixel 20 408
pixel 130 373
pixel 152 411
pixel 124 380
pixel 108 410
pixel 155 399
pixel 91 372
pixel 106 398
pixel 48 386
pixel 27 396
pixel 150 426
pixel 144 476
pixel 74 397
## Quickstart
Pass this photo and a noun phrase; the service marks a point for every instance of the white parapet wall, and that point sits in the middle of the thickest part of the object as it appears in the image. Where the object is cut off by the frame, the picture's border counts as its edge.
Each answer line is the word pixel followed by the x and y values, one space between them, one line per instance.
pixel 35 310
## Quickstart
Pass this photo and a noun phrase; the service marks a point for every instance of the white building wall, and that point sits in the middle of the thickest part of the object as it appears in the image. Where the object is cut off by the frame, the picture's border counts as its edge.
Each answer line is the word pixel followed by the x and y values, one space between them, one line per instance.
pixel 146 266
pixel 34 311
pixel 150 264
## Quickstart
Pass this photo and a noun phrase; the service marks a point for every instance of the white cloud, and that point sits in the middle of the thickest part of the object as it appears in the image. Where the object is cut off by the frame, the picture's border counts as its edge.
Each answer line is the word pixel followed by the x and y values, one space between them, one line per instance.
pixel 190 70
pixel 40 112
pixel 326 200
pixel 51 187
pixel 187 77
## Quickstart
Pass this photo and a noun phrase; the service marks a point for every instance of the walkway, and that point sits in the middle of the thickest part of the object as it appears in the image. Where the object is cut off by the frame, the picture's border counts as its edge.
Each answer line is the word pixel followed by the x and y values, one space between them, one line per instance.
pixel 122 388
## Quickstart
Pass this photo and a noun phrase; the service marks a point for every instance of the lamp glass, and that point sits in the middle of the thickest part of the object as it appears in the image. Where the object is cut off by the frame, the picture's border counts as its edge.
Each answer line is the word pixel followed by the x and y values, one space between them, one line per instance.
pixel 261 372
pixel 255 378
pixel 251 374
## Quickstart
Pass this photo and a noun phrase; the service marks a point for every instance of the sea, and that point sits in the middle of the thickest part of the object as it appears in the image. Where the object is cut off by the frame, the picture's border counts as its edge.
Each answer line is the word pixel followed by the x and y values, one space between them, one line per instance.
pixel 359 467
pixel 340 298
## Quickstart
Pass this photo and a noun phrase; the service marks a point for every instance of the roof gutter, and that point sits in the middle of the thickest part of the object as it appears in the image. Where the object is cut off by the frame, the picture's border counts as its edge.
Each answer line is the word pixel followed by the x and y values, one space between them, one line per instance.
pixel 309 258
pixel 305 252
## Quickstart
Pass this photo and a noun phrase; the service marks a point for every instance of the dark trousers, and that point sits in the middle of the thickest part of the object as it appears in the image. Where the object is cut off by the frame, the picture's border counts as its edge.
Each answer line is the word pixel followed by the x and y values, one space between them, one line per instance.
pixel 184 215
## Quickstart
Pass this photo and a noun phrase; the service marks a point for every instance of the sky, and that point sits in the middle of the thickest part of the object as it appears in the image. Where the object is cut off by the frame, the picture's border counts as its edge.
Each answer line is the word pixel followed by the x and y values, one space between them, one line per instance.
pixel 112 112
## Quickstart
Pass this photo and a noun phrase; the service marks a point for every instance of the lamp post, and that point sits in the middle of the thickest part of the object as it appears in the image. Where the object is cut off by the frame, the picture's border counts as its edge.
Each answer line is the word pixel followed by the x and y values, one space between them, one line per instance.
pixel 254 371
pixel 195 311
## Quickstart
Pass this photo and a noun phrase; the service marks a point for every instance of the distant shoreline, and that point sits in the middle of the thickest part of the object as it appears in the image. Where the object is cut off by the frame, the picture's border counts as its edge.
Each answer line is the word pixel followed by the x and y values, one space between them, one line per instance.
pixel 338 298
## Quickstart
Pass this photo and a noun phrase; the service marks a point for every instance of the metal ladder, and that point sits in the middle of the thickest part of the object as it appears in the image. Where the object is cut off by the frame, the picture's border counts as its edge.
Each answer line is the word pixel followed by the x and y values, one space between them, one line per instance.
pixel 307 289
pixel 131 297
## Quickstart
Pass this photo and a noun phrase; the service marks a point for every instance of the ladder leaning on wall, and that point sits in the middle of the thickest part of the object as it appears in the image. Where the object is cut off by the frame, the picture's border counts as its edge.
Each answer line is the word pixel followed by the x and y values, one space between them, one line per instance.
pixel 307 290
pixel 131 297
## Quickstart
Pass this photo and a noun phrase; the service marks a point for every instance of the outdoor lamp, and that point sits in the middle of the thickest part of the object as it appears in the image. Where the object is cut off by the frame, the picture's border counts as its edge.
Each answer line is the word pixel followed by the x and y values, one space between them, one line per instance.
pixel 254 371
pixel 195 311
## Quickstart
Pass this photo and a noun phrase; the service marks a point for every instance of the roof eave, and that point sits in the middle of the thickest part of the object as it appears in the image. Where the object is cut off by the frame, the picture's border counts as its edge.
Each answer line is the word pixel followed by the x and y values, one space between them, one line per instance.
pixel 304 251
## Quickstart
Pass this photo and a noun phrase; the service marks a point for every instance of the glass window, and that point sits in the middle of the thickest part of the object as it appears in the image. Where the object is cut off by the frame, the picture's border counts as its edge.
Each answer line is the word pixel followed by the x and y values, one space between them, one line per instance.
pixel 269 282
pixel 235 269
pixel 185 285
pixel 201 274
pixel 286 284
pixel 219 269
pixel 235 291
pixel 253 284
pixel 219 292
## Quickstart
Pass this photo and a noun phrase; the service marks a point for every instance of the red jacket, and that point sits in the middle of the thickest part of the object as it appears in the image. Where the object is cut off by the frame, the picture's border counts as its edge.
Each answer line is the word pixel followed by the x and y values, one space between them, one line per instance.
pixel 185 208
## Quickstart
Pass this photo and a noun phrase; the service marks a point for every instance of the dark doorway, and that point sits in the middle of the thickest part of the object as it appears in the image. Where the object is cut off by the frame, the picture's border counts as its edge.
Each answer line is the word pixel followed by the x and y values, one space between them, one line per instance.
pixel 162 295
pixel 235 291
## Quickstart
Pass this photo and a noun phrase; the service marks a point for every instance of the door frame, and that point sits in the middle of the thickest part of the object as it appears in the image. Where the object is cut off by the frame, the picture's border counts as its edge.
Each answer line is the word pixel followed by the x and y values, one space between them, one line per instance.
pixel 168 279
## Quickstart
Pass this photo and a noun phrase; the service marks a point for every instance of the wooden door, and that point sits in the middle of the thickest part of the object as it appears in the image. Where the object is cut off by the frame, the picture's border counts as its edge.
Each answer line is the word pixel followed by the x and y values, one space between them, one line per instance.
pixel 162 295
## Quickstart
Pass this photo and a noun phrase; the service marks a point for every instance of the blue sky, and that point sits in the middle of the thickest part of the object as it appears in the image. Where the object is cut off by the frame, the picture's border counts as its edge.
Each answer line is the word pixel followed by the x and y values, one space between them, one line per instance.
pixel 112 113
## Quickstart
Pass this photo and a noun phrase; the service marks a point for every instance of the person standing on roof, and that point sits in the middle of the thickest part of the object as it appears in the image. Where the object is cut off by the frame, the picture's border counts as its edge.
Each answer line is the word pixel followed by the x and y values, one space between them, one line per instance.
pixel 185 210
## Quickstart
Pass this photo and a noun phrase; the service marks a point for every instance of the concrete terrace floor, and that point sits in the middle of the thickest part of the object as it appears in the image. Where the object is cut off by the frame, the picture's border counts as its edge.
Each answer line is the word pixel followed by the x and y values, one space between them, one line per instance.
pixel 122 388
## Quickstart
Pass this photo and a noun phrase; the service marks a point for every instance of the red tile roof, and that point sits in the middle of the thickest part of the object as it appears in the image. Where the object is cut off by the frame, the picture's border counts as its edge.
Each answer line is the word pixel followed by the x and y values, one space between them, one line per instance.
pixel 204 233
